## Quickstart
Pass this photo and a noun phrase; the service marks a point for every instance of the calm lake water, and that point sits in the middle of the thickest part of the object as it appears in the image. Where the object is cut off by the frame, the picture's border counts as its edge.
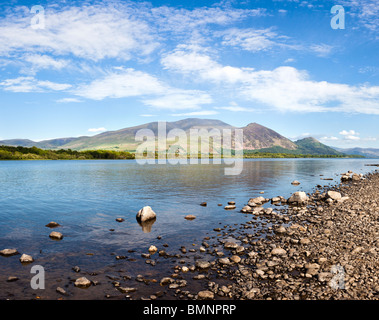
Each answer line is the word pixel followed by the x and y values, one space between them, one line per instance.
pixel 86 197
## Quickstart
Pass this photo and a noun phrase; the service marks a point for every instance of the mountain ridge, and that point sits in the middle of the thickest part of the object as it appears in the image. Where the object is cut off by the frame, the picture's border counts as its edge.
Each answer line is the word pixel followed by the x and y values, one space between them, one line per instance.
pixel 256 137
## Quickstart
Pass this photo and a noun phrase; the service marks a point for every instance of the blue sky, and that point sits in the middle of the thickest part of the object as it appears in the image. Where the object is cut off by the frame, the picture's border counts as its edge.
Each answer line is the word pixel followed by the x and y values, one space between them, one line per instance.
pixel 106 65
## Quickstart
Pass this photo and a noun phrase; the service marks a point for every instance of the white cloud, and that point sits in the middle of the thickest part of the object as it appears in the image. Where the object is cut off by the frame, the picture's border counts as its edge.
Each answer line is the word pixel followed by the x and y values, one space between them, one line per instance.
pixel 347 133
pixel 126 83
pixel 179 20
pixel 350 135
pixel 153 92
pixel 68 100
pixel 30 84
pixel 176 99
pixel 331 138
pixel 95 130
pixel 235 109
pixel 365 11
pixel 117 29
pixel 147 115
pixel 253 40
pixel 321 50
pixel 45 62
pixel 284 88
pixel 196 113
pixel 90 31
pixel 354 138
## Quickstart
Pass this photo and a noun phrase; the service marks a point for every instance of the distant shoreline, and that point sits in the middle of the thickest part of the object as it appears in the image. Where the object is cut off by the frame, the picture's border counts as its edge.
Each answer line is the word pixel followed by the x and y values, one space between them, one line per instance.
pixel 34 153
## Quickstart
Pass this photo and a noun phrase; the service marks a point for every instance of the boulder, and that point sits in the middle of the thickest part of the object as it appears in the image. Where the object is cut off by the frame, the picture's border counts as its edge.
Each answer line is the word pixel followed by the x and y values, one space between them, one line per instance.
pixel 230 207
pixel 295 183
pixel 52 224
pixel 275 199
pixel 8 252
pixel 247 209
pixel 82 282
pixel 205 295
pixel 153 249
pixel 278 251
pixel 166 280
pixel 126 289
pixel 256 201
pixel 280 230
pixel 190 217
pixel 312 268
pixel 299 197
pixel 56 235
pixel 202 264
pixel 225 261
pixel 334 195
pixel 146 213
pixel 26 258
pixel 230 245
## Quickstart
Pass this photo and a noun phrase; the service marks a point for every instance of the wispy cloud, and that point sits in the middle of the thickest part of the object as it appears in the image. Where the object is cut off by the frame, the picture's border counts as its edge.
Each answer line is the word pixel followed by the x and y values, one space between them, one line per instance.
pixel 350 135
pixel 69 100
pixel 284 88
pixel 97 130
pixel 365 12
pixel 196 113
pixel 122 84
pixel 176 99
pixel 30 84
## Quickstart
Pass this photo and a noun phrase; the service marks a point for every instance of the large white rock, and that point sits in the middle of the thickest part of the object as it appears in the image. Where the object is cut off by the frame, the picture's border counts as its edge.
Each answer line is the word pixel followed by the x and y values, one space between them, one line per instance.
pixel 82 282
pixel 8 252
pixel 334 195
pixel 299 197
pixel 26 258
pixel 146 213
pixel 256 201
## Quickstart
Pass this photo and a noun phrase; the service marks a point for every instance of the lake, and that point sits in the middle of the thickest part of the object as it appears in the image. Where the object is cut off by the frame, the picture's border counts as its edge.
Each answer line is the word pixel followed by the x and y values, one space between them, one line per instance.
pixel 86 197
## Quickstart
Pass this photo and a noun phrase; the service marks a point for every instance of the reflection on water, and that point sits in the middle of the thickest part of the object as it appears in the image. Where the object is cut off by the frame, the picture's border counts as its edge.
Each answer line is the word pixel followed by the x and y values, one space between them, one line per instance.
pixel 85 197
pixel 146 225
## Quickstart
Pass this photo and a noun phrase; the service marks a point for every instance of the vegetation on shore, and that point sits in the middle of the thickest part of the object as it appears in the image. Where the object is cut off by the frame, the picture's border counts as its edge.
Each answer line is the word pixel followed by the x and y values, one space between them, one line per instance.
pixel 34 153
pixel 260 154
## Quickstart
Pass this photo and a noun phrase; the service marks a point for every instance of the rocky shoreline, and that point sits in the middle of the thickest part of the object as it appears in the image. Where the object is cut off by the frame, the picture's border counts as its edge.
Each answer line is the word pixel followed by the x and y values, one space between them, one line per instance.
pixel 317 246
pixel 325 247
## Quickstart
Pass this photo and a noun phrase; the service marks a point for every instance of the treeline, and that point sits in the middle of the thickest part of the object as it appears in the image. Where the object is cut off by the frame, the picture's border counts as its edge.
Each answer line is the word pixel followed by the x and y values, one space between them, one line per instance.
pixel 290 155
pixel 34 153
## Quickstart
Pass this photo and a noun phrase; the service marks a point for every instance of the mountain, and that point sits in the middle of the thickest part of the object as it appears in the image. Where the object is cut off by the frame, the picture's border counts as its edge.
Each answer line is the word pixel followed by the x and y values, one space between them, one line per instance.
pixel 366 152
pixel 312 146
pixel 305 146
pixel 256 138
pixel 18 142
pixel 46 144
pixel 124 139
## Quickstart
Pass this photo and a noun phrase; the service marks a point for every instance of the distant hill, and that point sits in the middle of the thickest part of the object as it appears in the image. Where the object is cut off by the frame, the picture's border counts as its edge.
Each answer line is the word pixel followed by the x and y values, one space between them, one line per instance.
pixel 306 146
pixel 18 142
pixel 366 152
pixel 46 144
pixel 312 146
pixel 256 138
